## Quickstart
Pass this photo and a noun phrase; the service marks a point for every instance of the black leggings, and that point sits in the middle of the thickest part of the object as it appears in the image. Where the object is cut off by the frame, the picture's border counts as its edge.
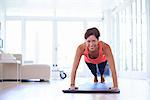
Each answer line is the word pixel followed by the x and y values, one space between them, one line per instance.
pixel 101 67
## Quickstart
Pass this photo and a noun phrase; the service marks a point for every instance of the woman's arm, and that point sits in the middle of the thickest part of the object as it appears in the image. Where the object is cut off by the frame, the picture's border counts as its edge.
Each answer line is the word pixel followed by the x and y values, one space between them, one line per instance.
pixel 76 62
pixel 110 59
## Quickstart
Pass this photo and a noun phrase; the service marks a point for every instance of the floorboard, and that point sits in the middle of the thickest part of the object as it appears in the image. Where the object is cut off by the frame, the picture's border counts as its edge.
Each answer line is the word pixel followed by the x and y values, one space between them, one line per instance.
pixel 130 89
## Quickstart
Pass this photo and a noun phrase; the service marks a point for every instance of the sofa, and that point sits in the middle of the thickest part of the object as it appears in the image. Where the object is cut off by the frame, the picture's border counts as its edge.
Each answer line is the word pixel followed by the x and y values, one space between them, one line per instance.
pixel 19 71
pixel 35 71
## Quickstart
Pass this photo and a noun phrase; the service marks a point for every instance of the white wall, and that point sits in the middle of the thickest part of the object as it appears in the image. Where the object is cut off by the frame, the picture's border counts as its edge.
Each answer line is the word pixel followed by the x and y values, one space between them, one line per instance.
pixel 2 19
pixel 148 37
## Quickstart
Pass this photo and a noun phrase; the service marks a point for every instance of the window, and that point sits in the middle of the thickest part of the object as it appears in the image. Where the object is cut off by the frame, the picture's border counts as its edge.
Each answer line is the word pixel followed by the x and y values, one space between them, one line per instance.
pixel 14 36
pixel 38 41
pixel 132 29
pixel 70 35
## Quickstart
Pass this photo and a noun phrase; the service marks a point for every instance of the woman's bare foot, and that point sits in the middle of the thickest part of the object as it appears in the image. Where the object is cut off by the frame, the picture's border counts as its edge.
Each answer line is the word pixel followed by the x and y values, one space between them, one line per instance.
pixel 95 80
pixel 102 79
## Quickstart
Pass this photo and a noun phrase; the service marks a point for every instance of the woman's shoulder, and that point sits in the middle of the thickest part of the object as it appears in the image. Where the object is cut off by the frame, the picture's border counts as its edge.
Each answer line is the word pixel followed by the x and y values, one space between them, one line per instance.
pixel 104 45
pixel 81 47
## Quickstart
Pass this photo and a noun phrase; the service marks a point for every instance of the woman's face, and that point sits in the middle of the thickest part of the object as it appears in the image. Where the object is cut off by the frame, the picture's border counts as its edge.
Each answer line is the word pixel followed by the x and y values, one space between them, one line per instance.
pixel 92 43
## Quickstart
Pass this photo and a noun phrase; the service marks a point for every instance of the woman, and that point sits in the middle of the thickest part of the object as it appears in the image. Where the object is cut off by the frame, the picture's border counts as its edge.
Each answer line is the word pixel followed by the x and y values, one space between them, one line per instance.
pixel 96 54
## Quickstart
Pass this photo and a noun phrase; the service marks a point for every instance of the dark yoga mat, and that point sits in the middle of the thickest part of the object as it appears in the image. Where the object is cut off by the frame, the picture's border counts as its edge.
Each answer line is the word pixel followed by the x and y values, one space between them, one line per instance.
pixel 93 88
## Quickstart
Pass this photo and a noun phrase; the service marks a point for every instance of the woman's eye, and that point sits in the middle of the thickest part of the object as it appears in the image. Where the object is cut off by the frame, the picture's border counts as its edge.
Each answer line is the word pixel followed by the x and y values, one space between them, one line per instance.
pixel 93 41
pixel 88 41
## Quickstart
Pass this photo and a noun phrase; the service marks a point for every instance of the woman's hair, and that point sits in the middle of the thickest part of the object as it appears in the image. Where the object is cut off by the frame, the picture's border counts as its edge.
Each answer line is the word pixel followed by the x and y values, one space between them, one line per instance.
pixel 92 31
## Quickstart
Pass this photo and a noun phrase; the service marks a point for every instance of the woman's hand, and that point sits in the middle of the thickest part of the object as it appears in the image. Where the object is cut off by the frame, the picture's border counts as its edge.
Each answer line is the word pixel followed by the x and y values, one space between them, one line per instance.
pixel 73 88
pixel 114 88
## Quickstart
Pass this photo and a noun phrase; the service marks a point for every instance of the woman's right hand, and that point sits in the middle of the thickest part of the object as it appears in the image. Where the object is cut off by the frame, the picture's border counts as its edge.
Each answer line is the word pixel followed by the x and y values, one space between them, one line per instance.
pixel 73 88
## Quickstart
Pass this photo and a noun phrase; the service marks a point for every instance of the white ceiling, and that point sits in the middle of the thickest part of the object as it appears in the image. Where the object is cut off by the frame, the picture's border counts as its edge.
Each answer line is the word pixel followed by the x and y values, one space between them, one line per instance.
pixel 64 4
pixel 87 6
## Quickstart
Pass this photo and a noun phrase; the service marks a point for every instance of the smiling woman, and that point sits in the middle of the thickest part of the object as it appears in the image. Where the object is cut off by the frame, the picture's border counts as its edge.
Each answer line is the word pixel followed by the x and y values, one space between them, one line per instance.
pixel 96 54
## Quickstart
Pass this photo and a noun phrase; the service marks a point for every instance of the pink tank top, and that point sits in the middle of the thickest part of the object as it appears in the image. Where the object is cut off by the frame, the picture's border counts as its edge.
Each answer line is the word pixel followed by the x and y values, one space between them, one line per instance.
pixel 101 58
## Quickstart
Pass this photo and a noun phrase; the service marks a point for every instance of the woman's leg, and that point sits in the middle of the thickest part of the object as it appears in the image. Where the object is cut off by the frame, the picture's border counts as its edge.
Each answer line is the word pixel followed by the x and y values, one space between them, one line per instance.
pixel 101 68
pixel 92 67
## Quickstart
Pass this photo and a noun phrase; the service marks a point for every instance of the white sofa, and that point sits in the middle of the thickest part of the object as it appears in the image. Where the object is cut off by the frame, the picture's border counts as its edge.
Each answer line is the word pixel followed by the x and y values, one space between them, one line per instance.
pixel 35 71
pixel 9 66
pixel 25 72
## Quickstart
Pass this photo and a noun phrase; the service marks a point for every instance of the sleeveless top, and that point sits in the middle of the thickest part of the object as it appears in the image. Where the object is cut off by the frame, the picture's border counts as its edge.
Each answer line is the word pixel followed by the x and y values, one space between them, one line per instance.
pixel 101 58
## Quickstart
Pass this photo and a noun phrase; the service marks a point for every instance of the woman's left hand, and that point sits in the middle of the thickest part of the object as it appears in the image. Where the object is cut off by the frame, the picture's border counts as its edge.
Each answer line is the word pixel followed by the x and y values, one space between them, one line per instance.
pixel 114 88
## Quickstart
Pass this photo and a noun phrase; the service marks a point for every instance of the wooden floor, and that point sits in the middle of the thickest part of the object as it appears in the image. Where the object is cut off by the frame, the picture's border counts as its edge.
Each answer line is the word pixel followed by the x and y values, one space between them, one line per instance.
pixel 130 89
